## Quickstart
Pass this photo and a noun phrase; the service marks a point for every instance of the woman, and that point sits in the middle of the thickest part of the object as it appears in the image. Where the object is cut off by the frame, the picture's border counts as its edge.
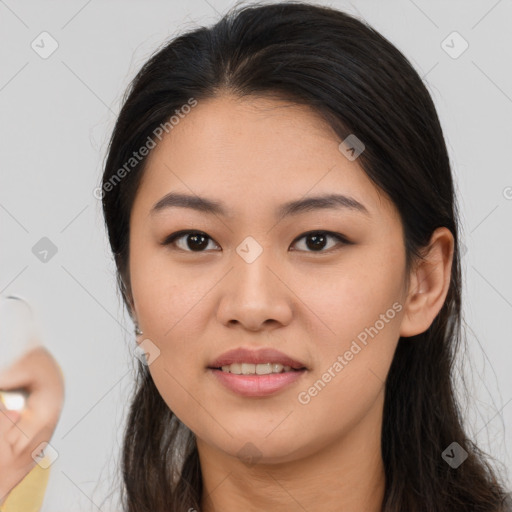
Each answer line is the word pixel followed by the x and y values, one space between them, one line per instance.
pixel 280 206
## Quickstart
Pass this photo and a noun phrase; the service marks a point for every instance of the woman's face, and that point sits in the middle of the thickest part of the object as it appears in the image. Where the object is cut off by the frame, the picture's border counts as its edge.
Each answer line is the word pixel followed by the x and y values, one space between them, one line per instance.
pixel 256 280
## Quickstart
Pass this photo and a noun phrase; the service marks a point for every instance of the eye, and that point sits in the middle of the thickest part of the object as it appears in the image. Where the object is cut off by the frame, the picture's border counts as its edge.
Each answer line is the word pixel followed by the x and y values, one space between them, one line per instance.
pixel 195 241
pixel 317 240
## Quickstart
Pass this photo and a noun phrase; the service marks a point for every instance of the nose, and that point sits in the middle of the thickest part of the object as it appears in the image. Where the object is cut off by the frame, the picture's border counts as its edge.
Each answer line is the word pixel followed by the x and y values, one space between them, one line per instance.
pixel 255 295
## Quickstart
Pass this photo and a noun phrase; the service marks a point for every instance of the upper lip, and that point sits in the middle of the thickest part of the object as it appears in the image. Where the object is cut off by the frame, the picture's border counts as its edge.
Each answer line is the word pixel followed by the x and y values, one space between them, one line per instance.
pixel 262 355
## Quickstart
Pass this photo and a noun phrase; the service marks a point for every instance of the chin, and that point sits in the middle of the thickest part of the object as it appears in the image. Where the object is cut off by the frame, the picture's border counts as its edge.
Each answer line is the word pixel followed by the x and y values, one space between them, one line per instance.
pixel 260 449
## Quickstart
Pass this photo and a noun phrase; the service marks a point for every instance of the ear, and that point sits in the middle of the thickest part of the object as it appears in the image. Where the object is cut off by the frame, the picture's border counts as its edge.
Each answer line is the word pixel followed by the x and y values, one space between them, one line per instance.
pixel 429 284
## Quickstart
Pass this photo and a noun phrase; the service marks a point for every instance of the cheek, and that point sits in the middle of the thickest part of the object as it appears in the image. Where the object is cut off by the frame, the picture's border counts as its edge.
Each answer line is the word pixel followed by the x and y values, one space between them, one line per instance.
pixel 359 313
pixel 170 306
pixel 352 364
pixel 352 296
pixel 165 295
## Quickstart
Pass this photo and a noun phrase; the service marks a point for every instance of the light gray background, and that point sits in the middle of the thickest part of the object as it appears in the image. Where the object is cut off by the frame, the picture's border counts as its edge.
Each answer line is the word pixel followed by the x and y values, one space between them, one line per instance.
pixel 56 117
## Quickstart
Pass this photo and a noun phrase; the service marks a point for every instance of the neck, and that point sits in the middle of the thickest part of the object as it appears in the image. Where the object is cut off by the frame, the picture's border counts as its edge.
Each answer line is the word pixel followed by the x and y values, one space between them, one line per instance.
pixel 346 475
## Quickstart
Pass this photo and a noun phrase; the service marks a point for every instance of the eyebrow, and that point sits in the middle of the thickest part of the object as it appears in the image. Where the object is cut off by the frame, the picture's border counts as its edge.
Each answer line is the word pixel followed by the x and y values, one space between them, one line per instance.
pixel 210 206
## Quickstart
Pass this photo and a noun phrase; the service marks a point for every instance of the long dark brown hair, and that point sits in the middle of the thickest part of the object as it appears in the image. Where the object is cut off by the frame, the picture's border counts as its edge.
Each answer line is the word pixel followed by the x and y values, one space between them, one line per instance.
pixel 361 84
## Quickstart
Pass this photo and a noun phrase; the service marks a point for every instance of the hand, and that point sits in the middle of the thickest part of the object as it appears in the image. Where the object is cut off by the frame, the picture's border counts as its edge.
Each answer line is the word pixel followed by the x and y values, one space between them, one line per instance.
pixel 21 432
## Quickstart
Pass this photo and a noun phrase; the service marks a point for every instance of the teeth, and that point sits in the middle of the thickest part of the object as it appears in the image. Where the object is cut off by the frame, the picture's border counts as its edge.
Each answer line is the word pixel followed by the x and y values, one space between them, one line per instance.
pixel 255 369
pixel 233 368
pixel 247 369
pixel 264 369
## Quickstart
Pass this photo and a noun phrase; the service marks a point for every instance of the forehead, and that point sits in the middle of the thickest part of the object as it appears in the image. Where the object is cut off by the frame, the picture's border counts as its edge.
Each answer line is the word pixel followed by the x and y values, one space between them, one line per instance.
pixel 255 152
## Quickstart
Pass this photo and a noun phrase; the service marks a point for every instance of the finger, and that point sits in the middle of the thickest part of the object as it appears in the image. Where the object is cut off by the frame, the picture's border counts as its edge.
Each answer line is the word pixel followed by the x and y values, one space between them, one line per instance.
pixel 37 420
pixel 21 371
pixel 11 416
pixel 16 376
pixel 28 433
pixel 8 421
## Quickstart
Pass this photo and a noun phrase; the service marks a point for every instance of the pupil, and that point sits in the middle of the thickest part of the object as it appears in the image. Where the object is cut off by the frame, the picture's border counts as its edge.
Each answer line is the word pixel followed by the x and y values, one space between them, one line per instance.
pixel 199 239
pixel 318 241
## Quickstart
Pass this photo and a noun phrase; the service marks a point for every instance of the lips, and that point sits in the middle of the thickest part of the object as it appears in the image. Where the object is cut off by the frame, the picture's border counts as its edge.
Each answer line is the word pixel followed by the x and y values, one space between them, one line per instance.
pixel 264 355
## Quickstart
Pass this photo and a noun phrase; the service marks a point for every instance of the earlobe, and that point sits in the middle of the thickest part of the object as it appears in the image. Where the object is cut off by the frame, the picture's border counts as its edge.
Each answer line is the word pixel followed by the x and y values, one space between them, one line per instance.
pixel 429 284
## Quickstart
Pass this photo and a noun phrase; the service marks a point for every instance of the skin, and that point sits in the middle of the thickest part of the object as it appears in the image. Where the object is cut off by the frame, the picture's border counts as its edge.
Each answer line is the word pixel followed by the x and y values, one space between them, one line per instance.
pixel 22 432
pixel 254 154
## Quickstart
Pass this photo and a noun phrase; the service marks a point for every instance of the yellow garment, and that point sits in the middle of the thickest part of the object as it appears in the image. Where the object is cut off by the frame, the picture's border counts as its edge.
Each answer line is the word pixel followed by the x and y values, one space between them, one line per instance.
pixel 28 495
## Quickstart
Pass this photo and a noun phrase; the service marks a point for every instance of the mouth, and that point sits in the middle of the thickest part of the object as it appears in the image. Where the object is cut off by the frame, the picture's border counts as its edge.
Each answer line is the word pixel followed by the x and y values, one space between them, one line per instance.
pixel 263 361
pixel 252 384
pixel 256 373
pixel 257 369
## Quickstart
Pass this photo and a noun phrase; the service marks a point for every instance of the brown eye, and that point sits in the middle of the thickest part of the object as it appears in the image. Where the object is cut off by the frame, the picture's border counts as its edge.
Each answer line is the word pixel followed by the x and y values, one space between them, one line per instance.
pixel 189 241
pixel 316 241
pixel 198 241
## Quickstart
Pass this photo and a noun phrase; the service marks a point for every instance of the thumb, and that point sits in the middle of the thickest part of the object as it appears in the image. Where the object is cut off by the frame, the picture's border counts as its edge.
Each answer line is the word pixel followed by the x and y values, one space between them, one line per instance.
pixel 18 374
pixel 12 378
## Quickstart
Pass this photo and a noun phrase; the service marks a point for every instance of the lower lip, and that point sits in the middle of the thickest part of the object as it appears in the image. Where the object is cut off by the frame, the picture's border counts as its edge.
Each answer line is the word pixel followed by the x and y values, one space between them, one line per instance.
pixel 257 385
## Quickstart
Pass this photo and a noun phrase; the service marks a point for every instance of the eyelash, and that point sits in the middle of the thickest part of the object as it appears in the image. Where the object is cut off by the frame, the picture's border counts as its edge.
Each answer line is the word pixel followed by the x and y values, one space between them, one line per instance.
pixel 169 240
